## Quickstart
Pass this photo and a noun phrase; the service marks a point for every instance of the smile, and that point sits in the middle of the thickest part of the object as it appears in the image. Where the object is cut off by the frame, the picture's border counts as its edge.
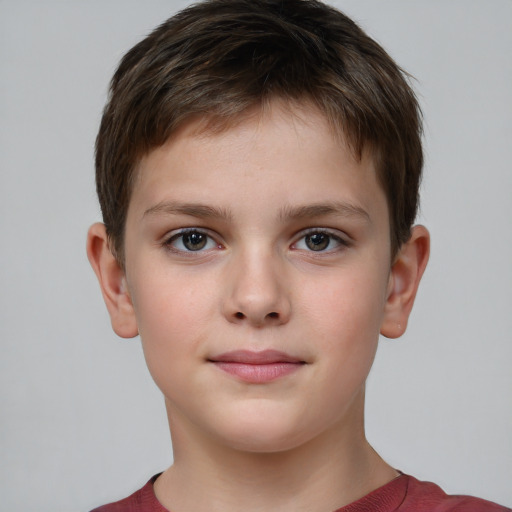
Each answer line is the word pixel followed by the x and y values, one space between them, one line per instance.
pixel 257 367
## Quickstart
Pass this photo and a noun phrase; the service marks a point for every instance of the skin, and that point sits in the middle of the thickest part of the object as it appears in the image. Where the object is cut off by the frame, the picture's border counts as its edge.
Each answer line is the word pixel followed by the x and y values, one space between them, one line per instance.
pixel 258 195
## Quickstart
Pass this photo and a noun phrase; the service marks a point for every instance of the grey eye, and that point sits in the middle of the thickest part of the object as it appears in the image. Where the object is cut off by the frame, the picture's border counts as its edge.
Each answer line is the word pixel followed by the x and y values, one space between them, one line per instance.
pixel 317 241
pixel 195 241
pixel 191 241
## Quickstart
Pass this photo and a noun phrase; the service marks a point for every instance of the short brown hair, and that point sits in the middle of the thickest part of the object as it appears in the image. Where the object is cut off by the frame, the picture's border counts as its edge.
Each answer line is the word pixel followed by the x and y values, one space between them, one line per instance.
pixel 219 58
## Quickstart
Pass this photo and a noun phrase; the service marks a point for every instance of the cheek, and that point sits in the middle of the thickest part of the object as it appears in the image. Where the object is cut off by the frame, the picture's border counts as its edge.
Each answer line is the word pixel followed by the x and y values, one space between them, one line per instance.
pixel 351 306
pixel 168 303
pixel 173 319
pixel 345 315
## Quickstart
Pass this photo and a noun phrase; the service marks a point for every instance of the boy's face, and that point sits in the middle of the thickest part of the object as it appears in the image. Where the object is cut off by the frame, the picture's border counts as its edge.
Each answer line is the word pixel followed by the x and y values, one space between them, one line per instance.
pixel 258 266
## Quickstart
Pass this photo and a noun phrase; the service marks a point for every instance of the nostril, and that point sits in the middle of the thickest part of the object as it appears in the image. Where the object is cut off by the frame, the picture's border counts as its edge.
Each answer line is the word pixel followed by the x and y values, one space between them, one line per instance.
pixel 273 315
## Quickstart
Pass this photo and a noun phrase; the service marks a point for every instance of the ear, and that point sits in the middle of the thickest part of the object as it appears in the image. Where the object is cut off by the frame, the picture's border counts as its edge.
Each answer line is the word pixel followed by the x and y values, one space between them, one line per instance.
pixel 404 279
pixel 112 282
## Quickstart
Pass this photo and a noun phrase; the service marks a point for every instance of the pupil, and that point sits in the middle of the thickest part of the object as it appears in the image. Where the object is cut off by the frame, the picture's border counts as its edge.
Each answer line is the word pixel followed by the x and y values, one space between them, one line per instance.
pixel 317 242
pixel 194 241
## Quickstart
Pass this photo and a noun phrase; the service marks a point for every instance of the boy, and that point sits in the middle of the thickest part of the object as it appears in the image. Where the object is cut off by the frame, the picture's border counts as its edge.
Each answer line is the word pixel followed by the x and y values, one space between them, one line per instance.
pixel 258 166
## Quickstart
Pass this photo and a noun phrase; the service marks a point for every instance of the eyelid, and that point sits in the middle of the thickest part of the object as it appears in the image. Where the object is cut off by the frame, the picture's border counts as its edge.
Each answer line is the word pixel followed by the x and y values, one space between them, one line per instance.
pixel 342 239
pixel 175 234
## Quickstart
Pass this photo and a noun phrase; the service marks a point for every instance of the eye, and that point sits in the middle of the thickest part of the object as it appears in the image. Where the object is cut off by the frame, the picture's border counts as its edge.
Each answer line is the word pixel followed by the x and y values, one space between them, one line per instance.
pixel 319 241
pixel 191 240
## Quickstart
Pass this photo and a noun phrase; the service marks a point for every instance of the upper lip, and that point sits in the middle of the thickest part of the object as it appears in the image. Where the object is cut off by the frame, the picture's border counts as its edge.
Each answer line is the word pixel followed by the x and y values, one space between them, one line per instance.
pixel 250 357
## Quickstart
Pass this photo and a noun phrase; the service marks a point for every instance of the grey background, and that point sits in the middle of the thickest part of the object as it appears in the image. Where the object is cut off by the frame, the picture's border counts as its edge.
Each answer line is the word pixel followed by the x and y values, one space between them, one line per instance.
pixel 81 421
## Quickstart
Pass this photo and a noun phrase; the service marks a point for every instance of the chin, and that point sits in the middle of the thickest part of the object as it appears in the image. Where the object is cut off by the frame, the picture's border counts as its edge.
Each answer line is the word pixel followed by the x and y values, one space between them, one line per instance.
pixel 265 434
pixel 259 444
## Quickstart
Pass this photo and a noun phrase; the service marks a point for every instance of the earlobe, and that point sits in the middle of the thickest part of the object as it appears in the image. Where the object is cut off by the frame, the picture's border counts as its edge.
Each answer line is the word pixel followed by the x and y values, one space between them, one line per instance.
pixel 112 282
pixel 404 281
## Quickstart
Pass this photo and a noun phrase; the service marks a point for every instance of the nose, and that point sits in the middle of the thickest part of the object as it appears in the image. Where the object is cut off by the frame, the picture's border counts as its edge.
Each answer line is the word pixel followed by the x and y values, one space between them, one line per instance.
pixel 258 292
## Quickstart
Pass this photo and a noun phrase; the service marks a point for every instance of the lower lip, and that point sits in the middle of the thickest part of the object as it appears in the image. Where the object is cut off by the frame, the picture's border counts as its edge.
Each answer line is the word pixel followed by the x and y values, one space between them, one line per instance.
pixel 258 373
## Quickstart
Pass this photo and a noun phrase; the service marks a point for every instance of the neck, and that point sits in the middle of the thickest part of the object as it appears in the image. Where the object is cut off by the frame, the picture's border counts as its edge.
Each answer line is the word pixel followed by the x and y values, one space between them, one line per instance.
pixel 329 472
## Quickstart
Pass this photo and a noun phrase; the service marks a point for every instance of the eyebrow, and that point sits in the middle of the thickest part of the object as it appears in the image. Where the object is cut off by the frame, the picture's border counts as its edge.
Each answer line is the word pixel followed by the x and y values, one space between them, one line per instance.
pixel 191 209
pixel 338 209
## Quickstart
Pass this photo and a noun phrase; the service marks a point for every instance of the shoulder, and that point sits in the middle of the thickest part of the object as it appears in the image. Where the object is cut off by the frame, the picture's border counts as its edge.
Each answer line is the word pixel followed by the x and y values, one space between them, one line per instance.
pixel 426 496
pixel 143 500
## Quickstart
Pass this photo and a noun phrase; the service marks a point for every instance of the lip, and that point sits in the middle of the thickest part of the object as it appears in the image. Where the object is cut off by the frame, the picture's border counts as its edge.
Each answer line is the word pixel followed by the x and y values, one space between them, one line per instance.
pixel 257 367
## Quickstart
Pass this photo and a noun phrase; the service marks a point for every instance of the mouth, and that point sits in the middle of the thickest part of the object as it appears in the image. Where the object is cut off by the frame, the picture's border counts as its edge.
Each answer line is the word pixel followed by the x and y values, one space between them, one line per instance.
pixel 257 367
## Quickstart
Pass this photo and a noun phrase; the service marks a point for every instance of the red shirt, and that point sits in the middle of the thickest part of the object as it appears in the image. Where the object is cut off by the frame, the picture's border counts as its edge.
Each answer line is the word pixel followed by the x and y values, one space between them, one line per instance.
pixel 403 494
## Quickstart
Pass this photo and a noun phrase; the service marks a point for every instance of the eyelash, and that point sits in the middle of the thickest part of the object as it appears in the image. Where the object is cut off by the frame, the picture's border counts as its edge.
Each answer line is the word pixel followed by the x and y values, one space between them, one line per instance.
pixel 332 237
pixel 210 241
pixel 169 242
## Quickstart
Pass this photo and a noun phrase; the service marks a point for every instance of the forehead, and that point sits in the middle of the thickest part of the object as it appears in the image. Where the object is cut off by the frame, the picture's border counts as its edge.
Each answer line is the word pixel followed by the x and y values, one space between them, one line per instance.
pixel 285 153
pixel 261 117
